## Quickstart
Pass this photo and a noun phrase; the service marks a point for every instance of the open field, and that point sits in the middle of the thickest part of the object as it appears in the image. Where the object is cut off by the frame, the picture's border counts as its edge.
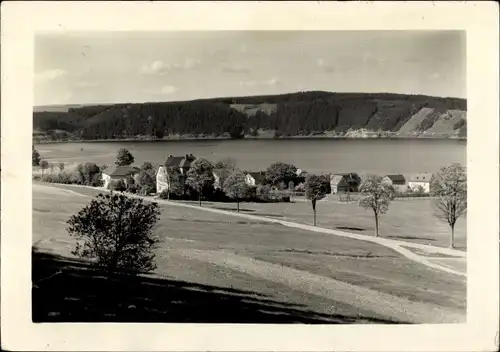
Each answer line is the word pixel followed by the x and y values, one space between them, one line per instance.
pixel 410 220
pixel 304 276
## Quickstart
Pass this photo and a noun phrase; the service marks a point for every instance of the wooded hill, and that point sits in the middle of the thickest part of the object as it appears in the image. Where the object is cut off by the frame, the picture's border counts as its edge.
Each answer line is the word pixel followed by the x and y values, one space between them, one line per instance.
pixel 315 113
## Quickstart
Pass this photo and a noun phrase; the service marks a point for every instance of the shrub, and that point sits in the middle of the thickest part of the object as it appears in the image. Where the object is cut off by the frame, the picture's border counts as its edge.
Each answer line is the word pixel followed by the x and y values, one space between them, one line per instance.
pixel 116 245
pixel 88 174
pixel 147 189
pixel 132 188
pixel 117 185
pixel 263 192
pixel 300 187
pixel 60 177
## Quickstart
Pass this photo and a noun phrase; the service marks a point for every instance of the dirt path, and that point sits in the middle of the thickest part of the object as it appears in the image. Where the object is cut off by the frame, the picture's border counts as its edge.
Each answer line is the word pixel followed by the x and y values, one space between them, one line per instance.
pixel 392 307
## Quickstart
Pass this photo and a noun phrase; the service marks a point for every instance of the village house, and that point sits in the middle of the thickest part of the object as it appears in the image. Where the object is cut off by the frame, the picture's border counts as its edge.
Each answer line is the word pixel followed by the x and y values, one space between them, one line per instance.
pixel 181 163
pixel 119 173
pixel 344 182
pixel 255 178
pixel 397 181
pixel 219 177
pixel 420 181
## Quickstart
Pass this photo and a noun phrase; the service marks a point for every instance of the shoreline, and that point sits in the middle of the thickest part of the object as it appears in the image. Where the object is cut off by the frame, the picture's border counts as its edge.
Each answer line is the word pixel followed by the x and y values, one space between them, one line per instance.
pixel 213 138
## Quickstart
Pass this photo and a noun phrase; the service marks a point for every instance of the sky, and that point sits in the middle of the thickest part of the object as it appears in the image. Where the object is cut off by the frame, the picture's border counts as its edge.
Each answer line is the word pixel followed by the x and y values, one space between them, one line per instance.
pixel 122 67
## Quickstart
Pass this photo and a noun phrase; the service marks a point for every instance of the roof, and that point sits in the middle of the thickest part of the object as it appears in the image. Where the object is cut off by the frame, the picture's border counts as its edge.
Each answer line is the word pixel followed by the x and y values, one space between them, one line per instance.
pixel 336 179
pixel 422 177
pixel 174 160
pixel 180 161
pixel 122 171
pixel 258 176
pixel 396 178
pixel 349 176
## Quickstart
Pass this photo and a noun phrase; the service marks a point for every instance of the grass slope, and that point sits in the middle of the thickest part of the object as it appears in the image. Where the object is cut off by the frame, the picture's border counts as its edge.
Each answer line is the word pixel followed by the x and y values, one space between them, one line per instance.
pixel 187 231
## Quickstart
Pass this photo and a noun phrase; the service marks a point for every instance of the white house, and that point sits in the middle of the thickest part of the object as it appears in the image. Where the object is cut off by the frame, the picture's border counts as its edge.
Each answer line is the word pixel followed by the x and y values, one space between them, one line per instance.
pixel 255 178
pixel 119 173
pixel 182 163
pixel 397 181
pixel 162 179
pixel 420 180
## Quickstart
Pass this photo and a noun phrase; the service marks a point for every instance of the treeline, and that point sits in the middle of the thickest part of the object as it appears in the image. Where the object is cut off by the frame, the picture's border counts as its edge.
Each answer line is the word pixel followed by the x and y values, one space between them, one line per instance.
pixel 296 114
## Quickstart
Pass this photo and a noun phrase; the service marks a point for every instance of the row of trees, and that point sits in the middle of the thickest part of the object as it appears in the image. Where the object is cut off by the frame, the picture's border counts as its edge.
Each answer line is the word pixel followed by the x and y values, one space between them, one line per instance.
pixel 448 186
pixel 129 243
pixel 44 164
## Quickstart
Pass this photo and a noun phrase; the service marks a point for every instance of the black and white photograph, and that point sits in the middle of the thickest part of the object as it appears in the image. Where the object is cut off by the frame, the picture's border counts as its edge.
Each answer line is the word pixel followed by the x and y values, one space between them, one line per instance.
pixel 254 176
pixel 244 176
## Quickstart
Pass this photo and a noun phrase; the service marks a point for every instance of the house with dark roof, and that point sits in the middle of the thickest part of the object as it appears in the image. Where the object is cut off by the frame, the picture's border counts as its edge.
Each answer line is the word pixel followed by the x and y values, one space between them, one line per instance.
pixel 119 173
pixel 397 181
pixel 344 182
pixel 255 178
pixel 181 163
pixel 420 182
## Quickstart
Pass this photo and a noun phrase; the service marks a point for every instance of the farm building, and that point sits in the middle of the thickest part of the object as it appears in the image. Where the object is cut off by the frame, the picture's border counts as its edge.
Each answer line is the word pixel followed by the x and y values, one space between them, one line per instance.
pixel 255 178
pixel 181 163
pixel 420 181
pixel 119 173
pixel 397 181
pixel 344 182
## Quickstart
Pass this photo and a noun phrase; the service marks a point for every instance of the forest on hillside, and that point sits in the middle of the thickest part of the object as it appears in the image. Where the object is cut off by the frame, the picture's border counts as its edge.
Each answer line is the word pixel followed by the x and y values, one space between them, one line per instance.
pixel 295 114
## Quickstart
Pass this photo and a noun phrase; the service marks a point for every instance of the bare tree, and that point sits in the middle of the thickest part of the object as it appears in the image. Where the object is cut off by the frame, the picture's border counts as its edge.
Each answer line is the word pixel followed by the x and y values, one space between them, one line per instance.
pixel 375 195
pixel 450 186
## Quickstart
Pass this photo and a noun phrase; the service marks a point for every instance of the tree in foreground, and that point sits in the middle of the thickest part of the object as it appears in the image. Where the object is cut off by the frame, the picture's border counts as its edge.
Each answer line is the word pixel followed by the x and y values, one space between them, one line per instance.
pixel 116 232
pixel 200 176
pixel 124 158
pixel 44 164
pixel 450 186
pixel 375 195
pixel 36 158
pixel 236 188
pixel 316 189
pixel 61 167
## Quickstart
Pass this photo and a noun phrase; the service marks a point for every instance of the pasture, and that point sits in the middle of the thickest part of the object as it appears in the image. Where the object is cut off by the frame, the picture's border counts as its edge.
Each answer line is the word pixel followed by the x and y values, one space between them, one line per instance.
pixel 410 220
pixel 230 253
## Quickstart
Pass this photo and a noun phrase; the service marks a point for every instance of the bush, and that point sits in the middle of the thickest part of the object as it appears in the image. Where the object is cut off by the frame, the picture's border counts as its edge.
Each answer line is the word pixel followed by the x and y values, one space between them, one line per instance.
pixel 89 174
pixel 116 246
pixel 146 189
pixel 263 192
pixel 60 177
pixel 132 188
pixel 117 185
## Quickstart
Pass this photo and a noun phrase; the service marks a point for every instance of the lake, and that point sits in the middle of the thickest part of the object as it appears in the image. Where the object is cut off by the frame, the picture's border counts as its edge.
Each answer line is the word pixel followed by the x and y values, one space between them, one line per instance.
pixel 380 156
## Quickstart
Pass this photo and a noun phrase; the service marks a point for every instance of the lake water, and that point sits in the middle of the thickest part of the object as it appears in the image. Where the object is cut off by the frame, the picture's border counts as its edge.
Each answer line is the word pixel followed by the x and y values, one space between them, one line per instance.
pixel 379 156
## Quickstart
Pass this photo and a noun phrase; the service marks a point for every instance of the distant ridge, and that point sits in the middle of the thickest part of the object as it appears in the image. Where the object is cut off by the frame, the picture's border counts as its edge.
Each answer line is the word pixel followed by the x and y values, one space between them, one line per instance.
pixel 309 114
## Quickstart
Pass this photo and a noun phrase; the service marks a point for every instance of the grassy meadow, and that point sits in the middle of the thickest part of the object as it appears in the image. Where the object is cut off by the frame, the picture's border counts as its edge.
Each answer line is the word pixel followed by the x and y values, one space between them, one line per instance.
pixel 197 248
pixel 410 220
